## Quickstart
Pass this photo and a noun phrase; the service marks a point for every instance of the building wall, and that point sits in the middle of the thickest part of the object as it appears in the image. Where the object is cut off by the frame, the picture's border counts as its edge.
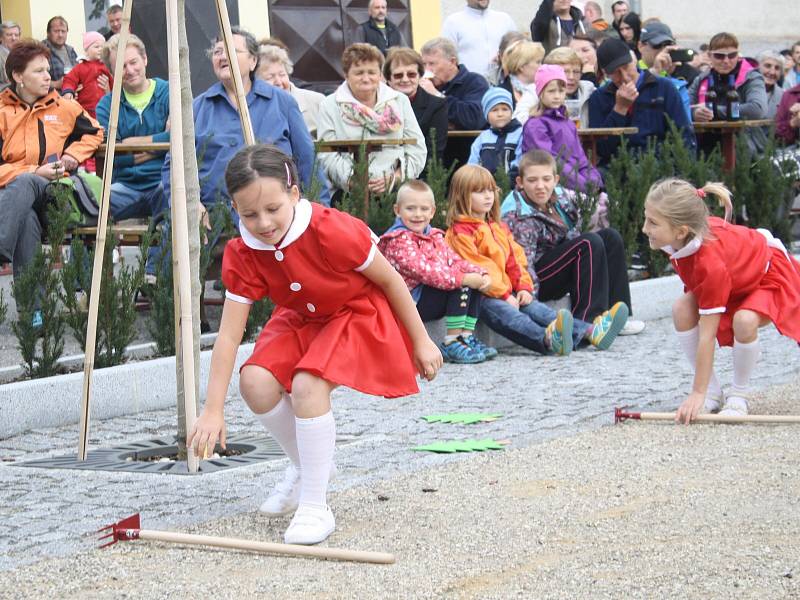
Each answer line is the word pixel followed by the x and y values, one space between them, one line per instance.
pixel 32 15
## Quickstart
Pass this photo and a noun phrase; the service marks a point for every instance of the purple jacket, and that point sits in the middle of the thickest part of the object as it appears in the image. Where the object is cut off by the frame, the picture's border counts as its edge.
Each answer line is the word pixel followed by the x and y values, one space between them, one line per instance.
pixel 555 133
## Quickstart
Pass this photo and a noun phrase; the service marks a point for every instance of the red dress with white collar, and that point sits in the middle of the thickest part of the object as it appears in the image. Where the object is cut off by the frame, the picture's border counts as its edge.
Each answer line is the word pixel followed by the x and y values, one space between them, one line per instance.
pixel 740 268
pixel 329 320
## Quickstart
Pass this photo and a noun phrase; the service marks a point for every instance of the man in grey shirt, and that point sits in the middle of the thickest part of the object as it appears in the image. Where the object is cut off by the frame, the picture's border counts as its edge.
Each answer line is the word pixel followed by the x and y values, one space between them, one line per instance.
pixel 9 36
pixel 62 56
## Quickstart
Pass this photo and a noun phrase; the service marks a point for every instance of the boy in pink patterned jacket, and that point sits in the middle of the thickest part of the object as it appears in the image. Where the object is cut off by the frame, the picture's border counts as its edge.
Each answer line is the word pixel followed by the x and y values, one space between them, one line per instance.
pixel 441 282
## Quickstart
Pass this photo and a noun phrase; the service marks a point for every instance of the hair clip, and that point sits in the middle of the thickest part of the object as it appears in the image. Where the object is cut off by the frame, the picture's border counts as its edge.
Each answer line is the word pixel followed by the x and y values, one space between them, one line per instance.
pixel 288 175
pixel 701 193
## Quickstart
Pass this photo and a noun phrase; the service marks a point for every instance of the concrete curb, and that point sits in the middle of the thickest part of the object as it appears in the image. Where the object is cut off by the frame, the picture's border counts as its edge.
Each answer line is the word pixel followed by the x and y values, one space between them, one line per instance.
pixel 150 385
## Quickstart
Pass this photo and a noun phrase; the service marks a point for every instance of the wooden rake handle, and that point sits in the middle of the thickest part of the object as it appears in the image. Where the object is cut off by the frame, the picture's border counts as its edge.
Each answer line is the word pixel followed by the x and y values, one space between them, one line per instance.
pixel 620 415
pixel 268 547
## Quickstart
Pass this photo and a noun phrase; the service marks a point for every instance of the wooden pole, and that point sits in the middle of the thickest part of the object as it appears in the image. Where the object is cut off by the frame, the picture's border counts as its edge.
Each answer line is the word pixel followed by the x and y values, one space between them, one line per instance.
pixel 268 547
pixel 708 418
pixel 100 240
pixel 233 65
pixel 180 235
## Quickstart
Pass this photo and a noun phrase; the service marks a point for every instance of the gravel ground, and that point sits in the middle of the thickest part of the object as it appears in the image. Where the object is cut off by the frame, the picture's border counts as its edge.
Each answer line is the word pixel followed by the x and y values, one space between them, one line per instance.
pixel 640 510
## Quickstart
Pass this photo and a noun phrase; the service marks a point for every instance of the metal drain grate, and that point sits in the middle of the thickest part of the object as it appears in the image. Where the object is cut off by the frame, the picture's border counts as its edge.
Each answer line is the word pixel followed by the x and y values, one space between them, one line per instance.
pixel 248 449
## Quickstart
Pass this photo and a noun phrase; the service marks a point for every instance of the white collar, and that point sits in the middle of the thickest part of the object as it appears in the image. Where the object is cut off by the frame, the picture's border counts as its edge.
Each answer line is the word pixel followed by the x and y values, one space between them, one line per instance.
pixel 302 218
pixel 687 250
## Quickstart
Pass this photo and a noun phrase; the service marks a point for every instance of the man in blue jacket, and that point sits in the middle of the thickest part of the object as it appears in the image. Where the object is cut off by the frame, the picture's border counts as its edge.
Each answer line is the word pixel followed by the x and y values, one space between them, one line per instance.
pixel 634 98
pixel 136 190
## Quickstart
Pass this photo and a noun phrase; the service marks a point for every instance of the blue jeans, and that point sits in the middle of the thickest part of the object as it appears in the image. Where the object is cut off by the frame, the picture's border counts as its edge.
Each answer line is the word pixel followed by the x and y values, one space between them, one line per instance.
pixel 525 326
pixel 129 203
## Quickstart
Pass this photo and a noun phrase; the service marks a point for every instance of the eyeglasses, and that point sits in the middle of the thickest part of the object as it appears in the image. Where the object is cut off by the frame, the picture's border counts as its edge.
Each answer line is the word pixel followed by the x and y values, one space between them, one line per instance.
pixel 219 52
pixel 724 55
pixel 407 74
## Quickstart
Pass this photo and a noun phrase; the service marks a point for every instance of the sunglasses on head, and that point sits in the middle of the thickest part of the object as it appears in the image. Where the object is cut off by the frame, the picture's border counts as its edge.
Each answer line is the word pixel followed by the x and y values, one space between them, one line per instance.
pixel 407 74
pixel 724 55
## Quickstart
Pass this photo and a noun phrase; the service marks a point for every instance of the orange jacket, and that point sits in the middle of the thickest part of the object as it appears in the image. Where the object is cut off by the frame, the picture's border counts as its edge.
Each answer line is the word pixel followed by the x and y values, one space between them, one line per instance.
pixel 492 246
pixel 53 125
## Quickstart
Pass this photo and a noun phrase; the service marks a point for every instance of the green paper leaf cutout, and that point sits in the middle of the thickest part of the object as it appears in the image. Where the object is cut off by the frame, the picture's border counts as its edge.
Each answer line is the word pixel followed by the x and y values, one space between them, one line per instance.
pixel 463 418
pixel 460 446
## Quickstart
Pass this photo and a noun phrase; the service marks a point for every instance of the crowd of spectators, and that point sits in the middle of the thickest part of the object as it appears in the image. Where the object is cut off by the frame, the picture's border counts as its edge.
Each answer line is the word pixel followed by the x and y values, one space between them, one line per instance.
pixel 626 72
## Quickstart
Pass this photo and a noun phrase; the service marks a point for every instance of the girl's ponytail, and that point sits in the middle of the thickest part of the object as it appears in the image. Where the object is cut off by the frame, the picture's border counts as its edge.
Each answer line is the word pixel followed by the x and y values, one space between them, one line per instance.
pixel 723 196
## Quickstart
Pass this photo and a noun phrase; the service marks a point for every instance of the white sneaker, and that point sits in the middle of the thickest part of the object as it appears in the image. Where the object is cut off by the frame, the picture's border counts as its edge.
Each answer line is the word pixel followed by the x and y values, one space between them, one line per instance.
pixel 712 404
pixel 632 327
pixel 310 525
pixel 735 406
pixel 285 496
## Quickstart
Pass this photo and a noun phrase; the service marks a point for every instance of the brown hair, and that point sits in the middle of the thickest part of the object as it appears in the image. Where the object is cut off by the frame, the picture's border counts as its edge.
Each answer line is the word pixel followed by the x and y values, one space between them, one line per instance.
pixel 399 55
pixel 468 179
pixel 723 40
pixel 359 53
pixel 23 53
pixel 681 204
pixel 537 158
pixel 56 19
pixel 260 160
pixel 414 185
pixel 273 41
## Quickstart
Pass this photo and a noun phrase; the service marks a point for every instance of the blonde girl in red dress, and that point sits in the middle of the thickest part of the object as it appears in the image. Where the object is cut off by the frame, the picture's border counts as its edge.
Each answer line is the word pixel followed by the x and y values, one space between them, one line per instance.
pixel 736 280
pixel 343 316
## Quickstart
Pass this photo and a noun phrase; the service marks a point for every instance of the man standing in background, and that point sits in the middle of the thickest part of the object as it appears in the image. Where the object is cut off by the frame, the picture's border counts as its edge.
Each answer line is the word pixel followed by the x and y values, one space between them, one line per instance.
pixel 378 30
pixel 476 32
pixel 114 18
pixel 62 56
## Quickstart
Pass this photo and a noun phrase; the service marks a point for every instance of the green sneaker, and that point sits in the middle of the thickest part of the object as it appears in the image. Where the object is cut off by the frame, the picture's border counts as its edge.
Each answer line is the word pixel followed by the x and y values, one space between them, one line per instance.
pixel 559 333
pixel 608 325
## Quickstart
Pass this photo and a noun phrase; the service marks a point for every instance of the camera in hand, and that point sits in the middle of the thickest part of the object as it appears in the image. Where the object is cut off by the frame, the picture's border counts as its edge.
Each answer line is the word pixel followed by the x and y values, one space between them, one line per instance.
pixel 681 55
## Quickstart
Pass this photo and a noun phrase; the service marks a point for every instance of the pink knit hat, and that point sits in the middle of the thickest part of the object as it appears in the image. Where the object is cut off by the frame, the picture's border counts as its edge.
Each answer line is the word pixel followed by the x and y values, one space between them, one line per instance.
pixel 547 73
pixel 90 37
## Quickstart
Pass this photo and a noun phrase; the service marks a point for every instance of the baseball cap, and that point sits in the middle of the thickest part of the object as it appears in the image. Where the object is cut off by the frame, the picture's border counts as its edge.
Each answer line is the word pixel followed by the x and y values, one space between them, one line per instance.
pixel 656 33
pixel 613 54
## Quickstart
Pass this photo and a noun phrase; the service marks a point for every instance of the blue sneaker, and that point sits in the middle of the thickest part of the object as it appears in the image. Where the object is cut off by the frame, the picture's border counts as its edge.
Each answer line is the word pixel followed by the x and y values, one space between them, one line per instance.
pixel 559 332
pixel 461 353
pixel 37 322
pixel 473 342
pixel 607 326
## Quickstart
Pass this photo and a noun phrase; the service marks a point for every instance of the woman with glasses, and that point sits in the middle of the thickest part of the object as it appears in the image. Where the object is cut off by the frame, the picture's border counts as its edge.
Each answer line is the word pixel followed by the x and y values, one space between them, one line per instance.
pixel 730 72
pixel 402 71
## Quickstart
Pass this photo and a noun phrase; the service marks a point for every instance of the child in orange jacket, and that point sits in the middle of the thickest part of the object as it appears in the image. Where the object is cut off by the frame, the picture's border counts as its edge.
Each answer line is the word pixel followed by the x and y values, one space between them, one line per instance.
pixel 510 308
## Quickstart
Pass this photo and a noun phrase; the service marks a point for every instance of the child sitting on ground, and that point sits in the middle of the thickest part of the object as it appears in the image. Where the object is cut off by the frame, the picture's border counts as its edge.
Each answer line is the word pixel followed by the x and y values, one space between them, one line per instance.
pixel 545 221
pixel 343 316
pixel 510 308
pixel 441 283
pixel 736 280
pixel 90 79
pixel 550 129
pixel 498 146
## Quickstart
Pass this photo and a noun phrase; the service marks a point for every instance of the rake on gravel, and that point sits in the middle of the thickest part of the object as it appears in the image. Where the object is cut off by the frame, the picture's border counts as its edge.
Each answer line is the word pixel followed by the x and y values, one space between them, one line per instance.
pixel 130 529
pixel 621 415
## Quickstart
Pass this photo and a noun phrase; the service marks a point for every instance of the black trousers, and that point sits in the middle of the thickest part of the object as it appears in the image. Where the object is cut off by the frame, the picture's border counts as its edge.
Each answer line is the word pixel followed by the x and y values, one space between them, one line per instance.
pixel 590 268
pixel 435 303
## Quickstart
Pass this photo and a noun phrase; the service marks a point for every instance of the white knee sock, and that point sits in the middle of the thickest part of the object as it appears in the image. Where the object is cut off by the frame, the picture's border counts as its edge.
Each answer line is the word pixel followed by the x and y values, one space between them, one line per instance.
pixel 279 422
pixel 689 340
pixel 745 357
pixel 316 441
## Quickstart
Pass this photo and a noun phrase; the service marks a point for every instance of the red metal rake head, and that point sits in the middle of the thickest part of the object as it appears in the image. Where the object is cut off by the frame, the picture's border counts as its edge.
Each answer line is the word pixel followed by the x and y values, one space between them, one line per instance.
pixel 121 531
pixel 620 415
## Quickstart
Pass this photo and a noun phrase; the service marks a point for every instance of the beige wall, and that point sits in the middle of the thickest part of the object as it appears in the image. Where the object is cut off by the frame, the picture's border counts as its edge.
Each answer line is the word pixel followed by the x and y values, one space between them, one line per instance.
pixel 254 17
pixel 690 20
pixel 33 15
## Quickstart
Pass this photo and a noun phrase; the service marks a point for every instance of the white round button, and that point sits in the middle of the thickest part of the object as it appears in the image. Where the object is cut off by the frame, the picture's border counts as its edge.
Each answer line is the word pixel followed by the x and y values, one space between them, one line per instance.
pixel 278 255
pixel 295 287
pixel 311 307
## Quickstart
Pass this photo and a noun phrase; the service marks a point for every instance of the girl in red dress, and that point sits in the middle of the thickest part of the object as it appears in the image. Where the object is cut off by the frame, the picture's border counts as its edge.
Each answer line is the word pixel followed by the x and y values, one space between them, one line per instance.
pixel 343 316
pixel 735 279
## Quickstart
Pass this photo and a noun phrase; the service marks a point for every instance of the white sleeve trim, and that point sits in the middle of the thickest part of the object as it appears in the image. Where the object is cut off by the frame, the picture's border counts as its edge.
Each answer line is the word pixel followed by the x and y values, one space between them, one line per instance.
pixel 369 260
pixel 237 298
pixel 711 311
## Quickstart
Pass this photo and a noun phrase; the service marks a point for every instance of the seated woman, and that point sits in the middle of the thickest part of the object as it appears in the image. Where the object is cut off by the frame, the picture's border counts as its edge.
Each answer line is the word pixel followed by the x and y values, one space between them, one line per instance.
pixel 402 71
pixel 729 71
pixel 578 90
pixel 585 47
pixel 521 60
pixel 44 137
pixel 275 67
pixel 364 108
pixel 546 223
pixel 787 128
pixel 770 64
